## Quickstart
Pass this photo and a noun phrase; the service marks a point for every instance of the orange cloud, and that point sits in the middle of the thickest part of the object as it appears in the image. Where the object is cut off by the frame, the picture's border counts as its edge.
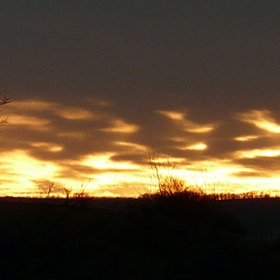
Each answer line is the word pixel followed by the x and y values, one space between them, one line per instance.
pixel 186 124
pixel 197 146
pixel 258 153
pixel 121 127
pixel 47 146
pixel 34 122
pixel 261 119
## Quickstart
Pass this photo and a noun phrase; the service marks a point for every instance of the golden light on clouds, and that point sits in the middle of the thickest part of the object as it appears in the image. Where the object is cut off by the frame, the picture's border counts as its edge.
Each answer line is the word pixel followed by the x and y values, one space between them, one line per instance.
pixel 178 116
pixel 199 129
pixel 23 164
pixel 66 112
pixel 221 176
pixel 36 123
pixel 118 184
pixel 121 126
pixel 73 113
pixel 209 175
pixel 133 146
pixel 33 105
pixel 47 146
pixel 114 175
pixel 24 170
pixel 59 150
pixel 261 119
pixel 216 175
pixel 103 161
pixel 186 124
pixel 246 138
pixel 197 146
pixel 258 153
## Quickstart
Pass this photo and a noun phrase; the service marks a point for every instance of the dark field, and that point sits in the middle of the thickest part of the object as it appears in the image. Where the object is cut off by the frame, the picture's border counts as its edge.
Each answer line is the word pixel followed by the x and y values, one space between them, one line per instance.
pixel 139 239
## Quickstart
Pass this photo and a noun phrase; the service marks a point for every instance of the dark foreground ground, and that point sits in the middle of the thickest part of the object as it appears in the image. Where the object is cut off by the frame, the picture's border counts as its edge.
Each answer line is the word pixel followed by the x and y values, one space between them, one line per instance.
pixel 139 239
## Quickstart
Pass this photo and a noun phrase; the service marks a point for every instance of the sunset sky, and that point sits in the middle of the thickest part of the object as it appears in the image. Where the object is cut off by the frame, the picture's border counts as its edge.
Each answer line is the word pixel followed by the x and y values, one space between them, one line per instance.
pixel 100 85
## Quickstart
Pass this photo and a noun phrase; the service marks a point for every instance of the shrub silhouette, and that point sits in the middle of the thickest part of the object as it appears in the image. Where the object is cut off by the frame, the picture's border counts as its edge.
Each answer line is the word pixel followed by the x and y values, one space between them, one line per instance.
pixel 187 204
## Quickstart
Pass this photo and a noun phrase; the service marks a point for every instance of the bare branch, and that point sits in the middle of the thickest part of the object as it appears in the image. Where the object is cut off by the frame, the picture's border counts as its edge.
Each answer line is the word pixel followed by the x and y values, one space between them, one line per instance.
pixel 5 100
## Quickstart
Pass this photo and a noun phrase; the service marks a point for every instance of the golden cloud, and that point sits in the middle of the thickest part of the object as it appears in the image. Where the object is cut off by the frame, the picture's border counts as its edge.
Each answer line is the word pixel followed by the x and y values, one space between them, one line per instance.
pixel 47 146
pixel 187 125
pixel 258 153
pixel 121 126
pixel 134 146
pixel 32 105
pixel 34 122
pixel 261 119
pixel 73 113
pixel 103 161
pixel 246 138
pixel 197 146
pixel 67 112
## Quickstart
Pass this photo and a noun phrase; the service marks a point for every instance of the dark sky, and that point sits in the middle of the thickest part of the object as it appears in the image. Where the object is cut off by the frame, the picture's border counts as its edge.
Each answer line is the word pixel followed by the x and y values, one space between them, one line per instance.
pixel 95 65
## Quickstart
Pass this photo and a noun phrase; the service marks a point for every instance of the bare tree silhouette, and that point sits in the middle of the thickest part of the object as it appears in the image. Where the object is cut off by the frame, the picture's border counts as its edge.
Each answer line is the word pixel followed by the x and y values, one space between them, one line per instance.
pixel 3 101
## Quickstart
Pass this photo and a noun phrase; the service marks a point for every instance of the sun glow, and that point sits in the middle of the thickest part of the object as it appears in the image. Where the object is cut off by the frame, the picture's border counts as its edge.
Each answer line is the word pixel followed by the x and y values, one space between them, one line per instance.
pixel 103 161
pixel 25 165
pixel 19 171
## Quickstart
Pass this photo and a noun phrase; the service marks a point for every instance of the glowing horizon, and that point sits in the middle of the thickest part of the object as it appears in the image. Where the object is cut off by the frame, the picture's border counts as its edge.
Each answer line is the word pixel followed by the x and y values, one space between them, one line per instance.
pixel 51 153
pixel 24 177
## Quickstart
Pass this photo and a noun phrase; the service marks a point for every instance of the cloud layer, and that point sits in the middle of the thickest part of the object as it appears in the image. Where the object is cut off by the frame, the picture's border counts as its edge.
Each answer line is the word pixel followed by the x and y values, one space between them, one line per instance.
pixel 108 82
pixel 51 141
